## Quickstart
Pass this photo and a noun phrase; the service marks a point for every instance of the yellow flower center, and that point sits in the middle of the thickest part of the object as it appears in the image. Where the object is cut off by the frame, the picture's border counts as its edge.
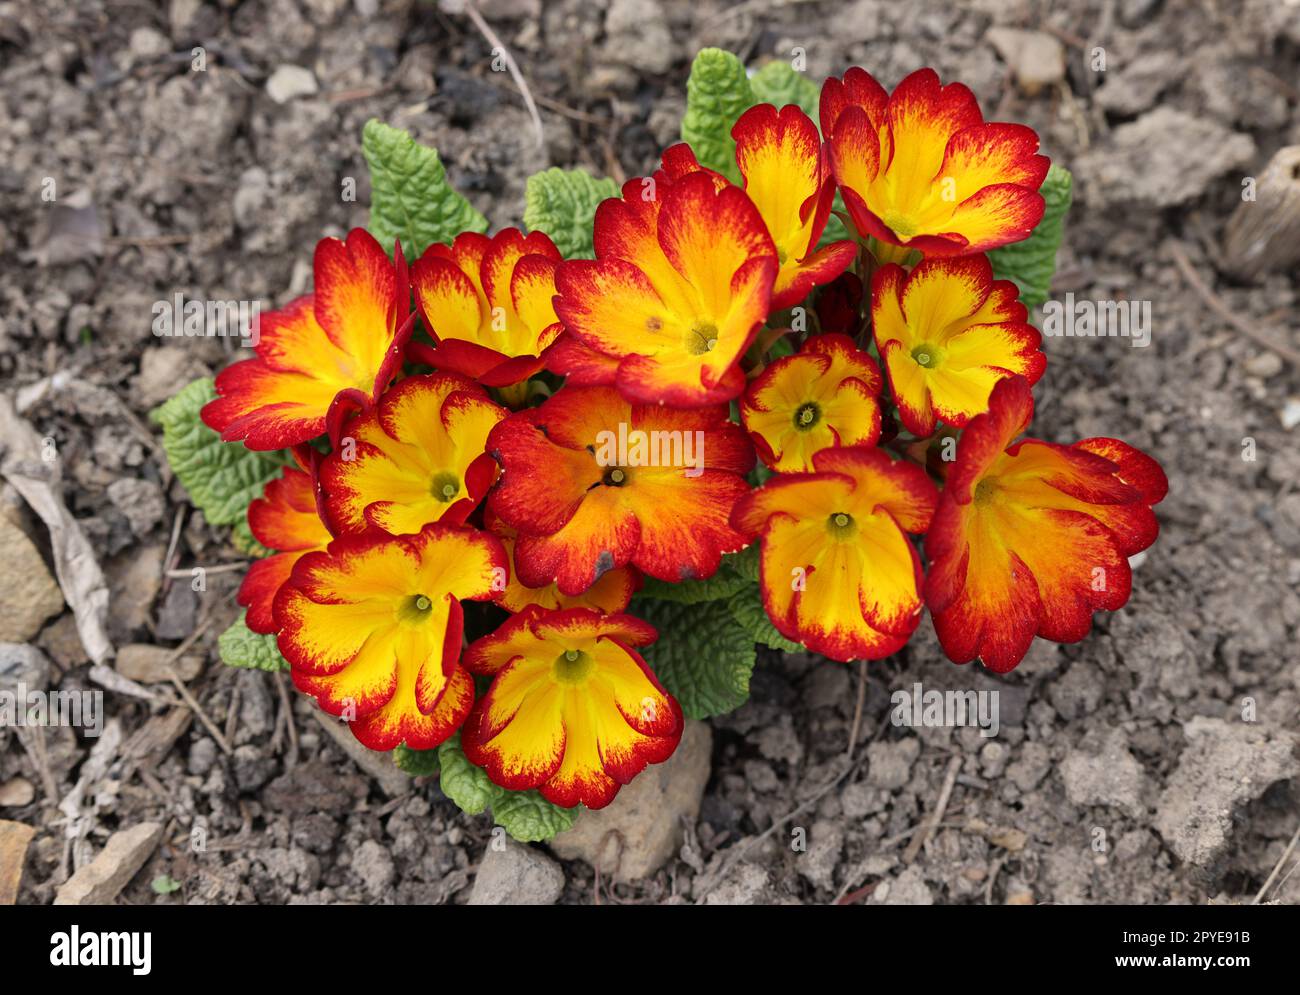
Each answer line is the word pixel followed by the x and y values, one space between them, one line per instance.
pixel 927 355
pixel 806 416
pixel 899 224
pixel 415 609
pixel 615 476
pixel 445 486
pixel 573 667
pixel 841 526
pixel 985 490
pixel 702 338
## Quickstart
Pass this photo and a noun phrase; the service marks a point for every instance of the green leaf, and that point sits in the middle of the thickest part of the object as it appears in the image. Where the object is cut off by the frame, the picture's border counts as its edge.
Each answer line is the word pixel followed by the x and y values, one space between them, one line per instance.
pixel 240 646
pixel 410 198
pixel 562 203
pixel 703 656
pixel 1032 262
pixel 747 609
pixel 745 563
pixel 164 884
pixel 778 83
pixel 417 763
pixel 733 574
pixel 525 815
pixel 242 536
pixel 717 93
pixel 221 477
pixel 468 786
pixel 529 817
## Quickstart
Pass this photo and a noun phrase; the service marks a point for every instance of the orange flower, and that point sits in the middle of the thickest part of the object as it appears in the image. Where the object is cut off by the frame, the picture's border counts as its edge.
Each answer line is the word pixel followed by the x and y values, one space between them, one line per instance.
pixel 573 710
pixel 921 168
pixel 1032 538
pixel 680 285
pixel 284 518
pixel 417 458
pixel 838 572
pixel 610 594
pixel 594 483
pixel 487 304
pixel 947 332
pixel 824 396
pixel 788 178
pixel 343 342
pixel 372 629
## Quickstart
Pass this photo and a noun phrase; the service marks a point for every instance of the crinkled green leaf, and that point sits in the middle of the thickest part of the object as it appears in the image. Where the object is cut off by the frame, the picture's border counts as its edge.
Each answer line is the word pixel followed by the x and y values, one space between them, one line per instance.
pixel 221 477
pixel 529 817
pixel 703 655
pixel 717 93
pixel 778 83
pixel 240 646
pixel 1032 262
pixel 733 574
pixel 410 198
pixel 746 607
pixel 242 536
pixel 562 203
pixel 465 784
pixel 745 563
pixel 525 815
pixel 417 763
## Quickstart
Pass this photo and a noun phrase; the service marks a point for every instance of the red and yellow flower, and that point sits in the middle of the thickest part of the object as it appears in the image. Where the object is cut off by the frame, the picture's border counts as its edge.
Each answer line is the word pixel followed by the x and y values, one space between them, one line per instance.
pixel 487 304
pixel 372 629
pixel 284 519
pixel 787 176
pixel 417 457
pixel 344 341
pixel 573 710
pixel 921 168
pixel 838 572
pixel 610 594
pixel 594 483
pixel 947 332
pixel 825 395
pixel 681 283
pixel 1032 538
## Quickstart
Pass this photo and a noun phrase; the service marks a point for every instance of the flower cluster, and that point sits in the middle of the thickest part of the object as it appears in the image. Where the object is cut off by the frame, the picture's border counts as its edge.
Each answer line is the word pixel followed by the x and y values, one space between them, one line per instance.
pixel 502 425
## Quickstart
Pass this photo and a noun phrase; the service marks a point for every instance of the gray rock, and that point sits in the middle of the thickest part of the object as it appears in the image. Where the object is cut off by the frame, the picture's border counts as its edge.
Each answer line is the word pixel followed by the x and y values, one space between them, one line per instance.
pixel 102 880
pixel 149 664
pixel 374 866
pixel 1146 160
pixel 133 582
pixel 147 43
pixel 1078 692
pixel 512 873
pixel 1030 766
pixel 817 864
pixel 909 888
pixel 637 35
pixel 641 828
pixel 178 612
pixel 288 82
pixel 1131 89
pixel 162 368
pixel 1036 58
pixel 747 884
pixel 23 665
pixel 890 762
pixel 16 793
pixel 1224 766
pixel 30 594
pixel 1105 774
